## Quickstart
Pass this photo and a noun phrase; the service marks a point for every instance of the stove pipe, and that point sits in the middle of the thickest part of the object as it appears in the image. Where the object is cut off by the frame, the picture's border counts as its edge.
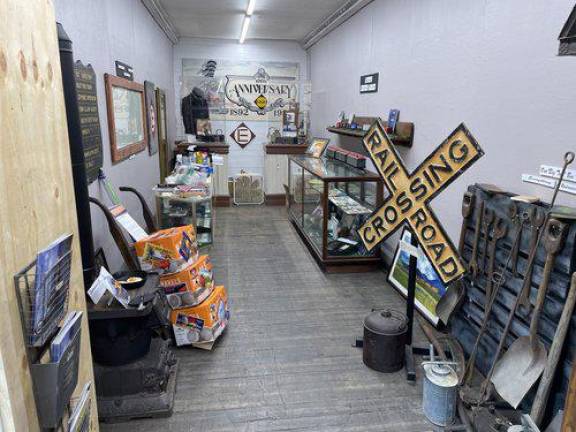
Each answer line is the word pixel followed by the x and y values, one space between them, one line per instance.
pixel 77 156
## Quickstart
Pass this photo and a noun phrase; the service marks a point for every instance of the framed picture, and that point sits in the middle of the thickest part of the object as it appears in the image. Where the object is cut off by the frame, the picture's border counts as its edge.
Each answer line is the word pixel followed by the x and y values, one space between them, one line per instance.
pixel 429 286
pixel 126 117
pixel 290 121
pixel 162 133
pixel 151 117
pixel 317 147
pixel 203 127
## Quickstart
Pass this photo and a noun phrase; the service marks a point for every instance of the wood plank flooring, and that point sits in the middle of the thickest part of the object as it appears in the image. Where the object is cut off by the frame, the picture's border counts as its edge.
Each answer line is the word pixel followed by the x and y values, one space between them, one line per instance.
pixel 286 362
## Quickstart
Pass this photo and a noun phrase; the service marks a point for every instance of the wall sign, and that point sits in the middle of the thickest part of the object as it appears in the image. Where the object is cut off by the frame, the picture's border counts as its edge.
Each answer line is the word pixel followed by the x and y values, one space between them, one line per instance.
pixel 124 71
pixel 151 120
pixel 410 195
pixel 369 83
pixel 243 135
pixel 89 119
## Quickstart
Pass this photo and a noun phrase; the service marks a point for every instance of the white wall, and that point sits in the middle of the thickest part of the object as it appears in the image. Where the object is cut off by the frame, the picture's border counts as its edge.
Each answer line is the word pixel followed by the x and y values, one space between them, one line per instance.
pixel 251 158
pixel 104 31
pixel 489 63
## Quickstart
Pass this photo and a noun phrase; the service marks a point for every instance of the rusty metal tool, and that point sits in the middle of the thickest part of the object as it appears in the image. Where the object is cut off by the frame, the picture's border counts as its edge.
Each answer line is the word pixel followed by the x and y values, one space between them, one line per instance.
pixel 537 219
pixel 489 217
pixel 519 220
pixel 473 265
pixel 500 231
pixel 525 359
pixel 541 398
pixel 468 202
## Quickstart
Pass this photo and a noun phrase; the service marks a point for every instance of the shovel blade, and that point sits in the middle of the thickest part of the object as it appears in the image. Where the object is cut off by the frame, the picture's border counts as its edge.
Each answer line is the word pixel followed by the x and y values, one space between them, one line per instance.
pixel 518 370
pixel 449 302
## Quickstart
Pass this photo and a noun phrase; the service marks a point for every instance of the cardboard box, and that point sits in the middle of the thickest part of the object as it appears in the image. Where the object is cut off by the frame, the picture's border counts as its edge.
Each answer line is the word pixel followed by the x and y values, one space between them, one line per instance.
pixel 202 323
pixel 168 250
pixel 190 286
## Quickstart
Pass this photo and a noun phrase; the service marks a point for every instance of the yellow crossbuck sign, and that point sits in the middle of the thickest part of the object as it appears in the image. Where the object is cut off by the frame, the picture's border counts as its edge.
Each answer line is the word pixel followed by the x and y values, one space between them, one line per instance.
pixel 410 195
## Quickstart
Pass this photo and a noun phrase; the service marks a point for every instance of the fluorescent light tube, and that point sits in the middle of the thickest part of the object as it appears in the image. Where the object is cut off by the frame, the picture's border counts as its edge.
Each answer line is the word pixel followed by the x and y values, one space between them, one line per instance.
pixel 251 6
pixel 245 26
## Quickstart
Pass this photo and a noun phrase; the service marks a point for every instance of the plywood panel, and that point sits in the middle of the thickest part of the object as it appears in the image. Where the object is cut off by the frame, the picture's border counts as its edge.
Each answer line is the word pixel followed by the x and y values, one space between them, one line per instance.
pixel 35 187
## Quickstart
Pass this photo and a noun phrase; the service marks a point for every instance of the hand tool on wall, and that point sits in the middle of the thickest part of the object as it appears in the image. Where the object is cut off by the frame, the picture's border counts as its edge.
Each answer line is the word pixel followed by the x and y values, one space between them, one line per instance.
pixel 525 359
pixel 500 231
pixel 518 219
pixel 537 219
pixel 473 265
pixel 541 398
pixel 468 202
pixel 489 217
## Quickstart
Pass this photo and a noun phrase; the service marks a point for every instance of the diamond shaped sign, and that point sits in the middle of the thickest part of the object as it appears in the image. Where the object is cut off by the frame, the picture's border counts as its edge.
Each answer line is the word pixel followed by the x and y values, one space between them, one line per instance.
pixel 243 135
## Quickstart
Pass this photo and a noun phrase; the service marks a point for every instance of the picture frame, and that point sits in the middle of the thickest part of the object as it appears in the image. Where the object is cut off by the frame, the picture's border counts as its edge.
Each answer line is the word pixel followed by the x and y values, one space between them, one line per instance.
pixel 290 121
pixel 317 147
pixel 429 286
pixel 162 132
pixel 126 109
pixel 203 127
pixel 151 117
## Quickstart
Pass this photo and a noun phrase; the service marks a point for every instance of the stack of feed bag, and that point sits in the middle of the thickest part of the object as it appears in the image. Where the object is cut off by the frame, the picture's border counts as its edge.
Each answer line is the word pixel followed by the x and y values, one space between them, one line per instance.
pixel 199 307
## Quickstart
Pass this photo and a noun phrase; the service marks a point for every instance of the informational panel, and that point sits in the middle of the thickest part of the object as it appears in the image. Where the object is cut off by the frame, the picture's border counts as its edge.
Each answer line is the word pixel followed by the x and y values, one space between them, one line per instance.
pixel 89 119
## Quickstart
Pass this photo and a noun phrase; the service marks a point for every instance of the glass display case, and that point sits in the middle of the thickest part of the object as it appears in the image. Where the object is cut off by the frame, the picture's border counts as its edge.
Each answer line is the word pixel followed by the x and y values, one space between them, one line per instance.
pixel 328 201
pixel 174 210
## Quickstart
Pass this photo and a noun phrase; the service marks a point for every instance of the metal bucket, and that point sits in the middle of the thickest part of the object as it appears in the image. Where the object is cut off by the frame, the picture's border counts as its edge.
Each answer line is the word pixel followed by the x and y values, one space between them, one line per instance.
pixel 385 340
pixel 440 398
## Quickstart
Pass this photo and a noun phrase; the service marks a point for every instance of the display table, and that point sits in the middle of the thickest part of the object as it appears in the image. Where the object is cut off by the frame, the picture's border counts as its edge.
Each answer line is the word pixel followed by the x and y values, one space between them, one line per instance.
pixel 328 201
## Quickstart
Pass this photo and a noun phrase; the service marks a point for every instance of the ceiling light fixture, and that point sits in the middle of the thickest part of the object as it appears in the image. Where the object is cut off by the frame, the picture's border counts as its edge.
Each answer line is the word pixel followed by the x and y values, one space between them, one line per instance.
pixel 251 6
pixel 245 26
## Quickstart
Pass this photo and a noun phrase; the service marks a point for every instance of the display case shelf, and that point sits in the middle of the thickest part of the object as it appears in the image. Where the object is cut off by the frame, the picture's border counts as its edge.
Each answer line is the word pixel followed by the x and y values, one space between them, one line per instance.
pixel 328 201
pixel 403 136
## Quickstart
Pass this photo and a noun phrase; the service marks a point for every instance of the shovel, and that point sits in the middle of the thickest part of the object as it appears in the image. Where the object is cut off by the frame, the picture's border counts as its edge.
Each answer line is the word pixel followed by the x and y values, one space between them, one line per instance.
pixel 450 301
pixel 525 360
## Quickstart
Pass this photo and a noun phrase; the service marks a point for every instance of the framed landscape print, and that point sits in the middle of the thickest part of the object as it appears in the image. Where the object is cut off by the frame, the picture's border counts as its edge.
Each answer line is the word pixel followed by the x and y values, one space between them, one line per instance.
pixel 151 116
pixel 126 117
pixel 429 286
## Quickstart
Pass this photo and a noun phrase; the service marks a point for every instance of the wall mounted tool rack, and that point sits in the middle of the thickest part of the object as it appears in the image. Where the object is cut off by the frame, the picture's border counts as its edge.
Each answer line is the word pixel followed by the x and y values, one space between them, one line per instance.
pixel 466 322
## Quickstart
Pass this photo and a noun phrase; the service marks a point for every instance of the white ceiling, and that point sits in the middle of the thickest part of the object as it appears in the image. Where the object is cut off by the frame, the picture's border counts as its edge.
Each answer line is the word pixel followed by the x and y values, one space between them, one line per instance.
pixel 272 19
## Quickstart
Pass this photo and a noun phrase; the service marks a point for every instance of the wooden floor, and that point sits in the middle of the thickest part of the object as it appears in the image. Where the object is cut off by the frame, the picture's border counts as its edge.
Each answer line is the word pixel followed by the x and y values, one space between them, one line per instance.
pixel 286 362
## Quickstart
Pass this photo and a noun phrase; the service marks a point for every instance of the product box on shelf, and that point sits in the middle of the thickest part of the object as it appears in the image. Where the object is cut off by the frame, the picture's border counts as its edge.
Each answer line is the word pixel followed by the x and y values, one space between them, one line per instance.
pixel 191 286
pixel 204 322
pixel 356 160
pixel 168 250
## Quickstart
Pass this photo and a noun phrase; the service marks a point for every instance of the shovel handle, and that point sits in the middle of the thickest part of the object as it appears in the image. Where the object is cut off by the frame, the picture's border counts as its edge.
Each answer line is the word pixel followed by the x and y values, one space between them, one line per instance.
pixel 542 290
pixel 541 399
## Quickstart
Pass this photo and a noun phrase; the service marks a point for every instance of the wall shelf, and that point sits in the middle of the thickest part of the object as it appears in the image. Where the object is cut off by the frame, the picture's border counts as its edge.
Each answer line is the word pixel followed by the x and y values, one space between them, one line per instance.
pixel 403 137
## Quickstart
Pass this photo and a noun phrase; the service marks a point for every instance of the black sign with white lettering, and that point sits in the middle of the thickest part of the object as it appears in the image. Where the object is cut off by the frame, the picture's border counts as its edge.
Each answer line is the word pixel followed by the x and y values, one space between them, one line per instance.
pixel 369 83
pixel 89 119
pixel 124 71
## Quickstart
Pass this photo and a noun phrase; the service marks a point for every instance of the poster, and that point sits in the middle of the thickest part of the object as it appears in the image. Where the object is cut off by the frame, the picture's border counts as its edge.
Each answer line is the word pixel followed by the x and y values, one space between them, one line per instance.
pixel 243 90
pixel 89 119
pixel 429 286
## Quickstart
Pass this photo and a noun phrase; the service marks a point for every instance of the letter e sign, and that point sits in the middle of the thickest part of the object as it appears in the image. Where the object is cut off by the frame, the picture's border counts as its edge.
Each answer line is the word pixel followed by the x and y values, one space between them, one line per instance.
pixel 243 135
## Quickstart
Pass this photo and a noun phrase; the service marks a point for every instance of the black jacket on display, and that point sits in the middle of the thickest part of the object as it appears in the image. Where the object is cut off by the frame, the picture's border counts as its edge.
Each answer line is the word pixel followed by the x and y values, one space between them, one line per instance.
pixel 194 107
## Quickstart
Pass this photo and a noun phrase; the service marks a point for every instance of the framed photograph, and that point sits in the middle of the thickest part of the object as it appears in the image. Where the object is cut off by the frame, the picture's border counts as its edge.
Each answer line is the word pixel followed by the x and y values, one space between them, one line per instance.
pixel 429 286
pixel 290 121
pixel 126 117
pixel 317 147
pixel 151 117
pixel 203 127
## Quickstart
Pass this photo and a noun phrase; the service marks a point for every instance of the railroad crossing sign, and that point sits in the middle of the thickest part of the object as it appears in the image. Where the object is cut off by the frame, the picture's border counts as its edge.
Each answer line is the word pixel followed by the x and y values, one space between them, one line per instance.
pixel 410 194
